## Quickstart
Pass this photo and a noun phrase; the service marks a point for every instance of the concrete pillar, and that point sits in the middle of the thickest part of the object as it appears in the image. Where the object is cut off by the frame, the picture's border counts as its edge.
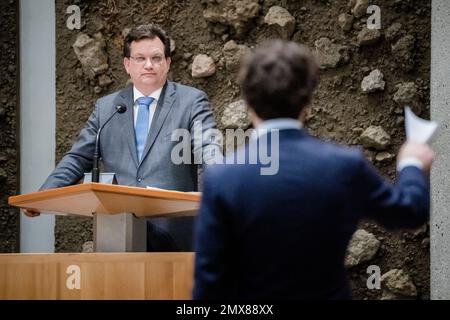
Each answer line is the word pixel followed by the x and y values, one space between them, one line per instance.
pixel 37 115
pixel 440 175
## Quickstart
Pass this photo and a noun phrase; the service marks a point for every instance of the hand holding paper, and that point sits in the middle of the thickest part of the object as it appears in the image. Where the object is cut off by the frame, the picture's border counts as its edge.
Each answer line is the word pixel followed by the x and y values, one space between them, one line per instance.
pixel 416 149
pixel 417 129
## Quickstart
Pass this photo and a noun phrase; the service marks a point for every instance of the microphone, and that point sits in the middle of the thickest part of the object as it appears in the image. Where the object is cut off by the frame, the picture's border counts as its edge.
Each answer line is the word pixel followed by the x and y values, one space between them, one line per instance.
pixel 120 108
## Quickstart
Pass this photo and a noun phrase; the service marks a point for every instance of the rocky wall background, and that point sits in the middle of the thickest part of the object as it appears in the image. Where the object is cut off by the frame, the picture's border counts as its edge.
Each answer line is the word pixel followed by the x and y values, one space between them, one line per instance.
pixel 9 119
pixel 367 77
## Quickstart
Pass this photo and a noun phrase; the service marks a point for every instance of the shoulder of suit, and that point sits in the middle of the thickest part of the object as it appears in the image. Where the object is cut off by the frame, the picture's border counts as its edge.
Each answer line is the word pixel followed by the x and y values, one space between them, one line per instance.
pixel 183 89
pixel 337 151
pixel 109 99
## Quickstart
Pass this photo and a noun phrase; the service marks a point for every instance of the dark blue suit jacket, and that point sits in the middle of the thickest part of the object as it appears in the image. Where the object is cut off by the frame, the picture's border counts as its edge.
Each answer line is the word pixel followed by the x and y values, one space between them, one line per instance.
pixel 285 236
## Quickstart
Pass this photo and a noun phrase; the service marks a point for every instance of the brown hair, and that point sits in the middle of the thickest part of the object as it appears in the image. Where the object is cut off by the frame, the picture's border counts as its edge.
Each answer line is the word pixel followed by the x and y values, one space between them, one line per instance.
pixel 278 79
pixel 146 31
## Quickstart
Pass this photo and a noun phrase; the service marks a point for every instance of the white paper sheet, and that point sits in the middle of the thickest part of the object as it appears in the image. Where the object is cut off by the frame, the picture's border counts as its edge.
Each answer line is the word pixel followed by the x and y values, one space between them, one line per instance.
pixel 189 192
pixel 418 129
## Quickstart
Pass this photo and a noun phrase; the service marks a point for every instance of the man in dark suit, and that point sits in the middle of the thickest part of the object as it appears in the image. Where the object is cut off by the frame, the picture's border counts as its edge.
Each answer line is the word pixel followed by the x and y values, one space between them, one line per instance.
pixel 284 235
pixel 137 145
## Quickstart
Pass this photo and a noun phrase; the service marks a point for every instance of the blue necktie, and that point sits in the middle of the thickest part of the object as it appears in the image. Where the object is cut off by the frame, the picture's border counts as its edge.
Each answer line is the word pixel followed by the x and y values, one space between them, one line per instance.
pixel 142 124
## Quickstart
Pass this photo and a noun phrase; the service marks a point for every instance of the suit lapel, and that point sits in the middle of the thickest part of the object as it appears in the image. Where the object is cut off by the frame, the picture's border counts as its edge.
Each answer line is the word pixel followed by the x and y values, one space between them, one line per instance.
pixel 163 108
pixel 126 97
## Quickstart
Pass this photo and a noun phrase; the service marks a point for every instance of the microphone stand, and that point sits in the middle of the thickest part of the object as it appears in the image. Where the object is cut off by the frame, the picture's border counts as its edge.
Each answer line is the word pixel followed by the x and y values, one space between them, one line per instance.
pixel 96 160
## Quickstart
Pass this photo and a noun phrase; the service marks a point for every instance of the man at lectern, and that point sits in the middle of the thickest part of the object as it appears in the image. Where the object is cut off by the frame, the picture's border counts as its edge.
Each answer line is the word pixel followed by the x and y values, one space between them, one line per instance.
pixel 136 145
pixel 284 235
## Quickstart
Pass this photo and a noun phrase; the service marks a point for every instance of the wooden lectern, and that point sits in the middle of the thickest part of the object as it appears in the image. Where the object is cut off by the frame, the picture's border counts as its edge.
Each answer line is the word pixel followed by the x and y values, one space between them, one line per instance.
pixel 119 211
pixel 119 214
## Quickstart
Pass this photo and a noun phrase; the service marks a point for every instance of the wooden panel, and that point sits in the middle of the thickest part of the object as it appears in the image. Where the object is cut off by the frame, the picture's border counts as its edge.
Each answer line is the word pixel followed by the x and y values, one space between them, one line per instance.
pixel 183 285
pixel 93 281
pixel 86 199
pixel 125 286
pixel 101 276
pixel 18 277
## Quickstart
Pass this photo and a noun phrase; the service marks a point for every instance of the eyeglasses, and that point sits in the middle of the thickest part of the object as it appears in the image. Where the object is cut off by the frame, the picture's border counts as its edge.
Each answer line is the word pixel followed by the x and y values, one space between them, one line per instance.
pixel 155 60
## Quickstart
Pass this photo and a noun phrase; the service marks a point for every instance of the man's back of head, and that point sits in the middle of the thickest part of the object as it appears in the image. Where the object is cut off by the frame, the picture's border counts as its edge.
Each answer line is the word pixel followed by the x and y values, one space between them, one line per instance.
pixel 278 79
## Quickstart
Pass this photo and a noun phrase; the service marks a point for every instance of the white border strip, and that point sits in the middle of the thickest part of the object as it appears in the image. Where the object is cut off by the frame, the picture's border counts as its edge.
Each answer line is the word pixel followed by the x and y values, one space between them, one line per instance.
pixel 37 115
pixel 440 175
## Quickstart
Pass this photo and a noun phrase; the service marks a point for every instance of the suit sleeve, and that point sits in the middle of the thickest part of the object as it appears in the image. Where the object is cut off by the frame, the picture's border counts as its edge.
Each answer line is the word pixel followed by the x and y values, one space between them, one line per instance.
pixel 212 240
pixel 78 160
pixel 206 140
pixel 405 204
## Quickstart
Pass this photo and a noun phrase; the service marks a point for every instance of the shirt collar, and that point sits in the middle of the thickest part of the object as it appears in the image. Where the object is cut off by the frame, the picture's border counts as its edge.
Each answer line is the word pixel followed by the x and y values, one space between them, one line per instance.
pixel 280 124
pixel 276 124
pixel 155 94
